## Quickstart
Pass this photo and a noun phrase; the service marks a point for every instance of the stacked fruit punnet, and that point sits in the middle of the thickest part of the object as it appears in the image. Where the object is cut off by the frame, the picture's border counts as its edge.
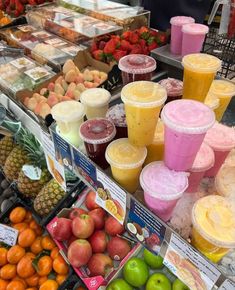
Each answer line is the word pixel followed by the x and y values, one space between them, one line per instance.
pixel 34 262
pixel 91 238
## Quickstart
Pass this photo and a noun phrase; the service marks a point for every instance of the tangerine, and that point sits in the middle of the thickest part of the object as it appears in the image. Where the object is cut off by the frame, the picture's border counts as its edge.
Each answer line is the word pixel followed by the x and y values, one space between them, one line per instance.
pixel 47 243
pixel 17 215
pixel 14 254
pixel 3 256
pixel 60 266
pixel 24 267
pixel 49 285
pixel 36 247
pixel 20 227
pixel 15 285
pixel 8 272
pixel 44 266
pixel 26 238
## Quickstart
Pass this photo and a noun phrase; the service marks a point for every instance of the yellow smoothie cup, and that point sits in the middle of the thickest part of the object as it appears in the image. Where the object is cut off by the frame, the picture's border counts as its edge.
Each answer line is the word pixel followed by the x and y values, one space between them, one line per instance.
pixel 143 101
pixel 224 91
pixel 213 231
pixel 213 104
pixel 199 72
pixel 126 163
pixel 225 181
pixel 156 149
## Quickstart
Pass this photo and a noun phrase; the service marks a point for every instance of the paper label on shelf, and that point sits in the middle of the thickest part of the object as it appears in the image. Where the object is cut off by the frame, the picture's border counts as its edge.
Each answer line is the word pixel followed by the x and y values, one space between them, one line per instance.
pixel 145 227
pixel 8 235
pixel 189 266
pixel 56 169
pixel 32 172
pixel 227 285
pixel 110 196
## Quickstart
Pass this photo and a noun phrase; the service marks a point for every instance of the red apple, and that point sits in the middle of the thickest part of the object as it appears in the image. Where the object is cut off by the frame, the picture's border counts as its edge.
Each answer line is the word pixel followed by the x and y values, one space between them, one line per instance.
pixel 98 241
pixel 118 248
pixel 76 212
pixel 113 227
pixel 99 264
pixel 62 229
pixel 72 239
pixel 83 226
pixel 79 253
pixel 90 201
pixel 98 215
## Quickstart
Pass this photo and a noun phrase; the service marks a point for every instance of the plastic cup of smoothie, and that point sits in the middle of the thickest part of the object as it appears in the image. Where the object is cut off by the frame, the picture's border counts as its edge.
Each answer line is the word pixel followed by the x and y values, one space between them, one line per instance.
pixel 221 139
pixel 117 115
pixel 143 101
pixel 186 123
pixel 174 89
pixel 96 102
pixel 97 134
pixel 224 91
pixel 176 32
pixel 156 149
pixel 204 160
pixel 69 117
pixel 126 163
pixel 199 72
pixel 225 181
pixel 162 188
pixel 193 37
pixel 213 233
pixel 136 67
pixel 213 103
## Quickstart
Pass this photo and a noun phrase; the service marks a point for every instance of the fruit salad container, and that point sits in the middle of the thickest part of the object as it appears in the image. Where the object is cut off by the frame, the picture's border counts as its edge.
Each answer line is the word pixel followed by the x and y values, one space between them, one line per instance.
pixel 86 220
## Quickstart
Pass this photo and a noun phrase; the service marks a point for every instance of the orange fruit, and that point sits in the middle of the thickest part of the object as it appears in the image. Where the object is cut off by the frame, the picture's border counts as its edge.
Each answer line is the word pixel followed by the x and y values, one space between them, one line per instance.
pixel 36 247
pixel 47 243
pixel 60 279
pixel 15 285
pixel 60 266
pixel 42 280
pixel 8 272
pixel 44 266
pixel 15 254
pixel 33 280
pixel 36 227
pixel 55 253
pixel 26 238
pixel 20 227
pixel 17 215
pixel 28 217
pixel 17 278
pixel 3 256
pixel 49 285
pixel 24 267
pixel 3 284
pixel 31 288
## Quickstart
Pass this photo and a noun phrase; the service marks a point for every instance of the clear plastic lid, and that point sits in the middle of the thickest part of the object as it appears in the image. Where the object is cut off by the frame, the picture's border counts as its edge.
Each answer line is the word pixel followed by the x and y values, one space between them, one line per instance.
pixel 222 88
pixel 181 20
pixel 201 62
pixel 122 154
pixel 212 102
pixel 225 181
pixel 213 217
pixel 117 115
pixel 96 97
pixel 204 160
pixel 173 87
pixel 68 111
pixel 188 116
pixel 97 131
pixel 195 28
pixel 220 137
pixel 137 64
pixel 162 183
pixel 159 132
pixel 144 94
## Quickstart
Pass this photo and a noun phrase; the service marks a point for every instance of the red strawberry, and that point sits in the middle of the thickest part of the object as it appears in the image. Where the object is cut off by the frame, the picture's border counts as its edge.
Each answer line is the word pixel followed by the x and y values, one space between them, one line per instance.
pixel 125 45
pixel 144 32
pixel 136 49
pixel 98 54
pixel 110 46
pixel 152 46
pixel 154 32
pixel 19 8
pixel 102 44
pixel 32 2
pixel 12 4
pixel 116 37
pixel 119 54
pixel 142 43
pixel 94 46
pixel 126 35
pixel 133 38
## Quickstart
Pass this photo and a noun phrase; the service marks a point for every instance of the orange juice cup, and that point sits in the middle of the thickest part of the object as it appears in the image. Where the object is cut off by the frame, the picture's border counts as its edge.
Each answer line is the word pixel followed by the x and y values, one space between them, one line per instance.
pixel 199 72
pixel 143 101
pixel 213 231
pixel 213 103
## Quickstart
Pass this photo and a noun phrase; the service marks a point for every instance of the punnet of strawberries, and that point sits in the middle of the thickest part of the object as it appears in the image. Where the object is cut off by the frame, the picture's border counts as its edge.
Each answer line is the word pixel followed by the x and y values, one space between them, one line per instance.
pixel 141 41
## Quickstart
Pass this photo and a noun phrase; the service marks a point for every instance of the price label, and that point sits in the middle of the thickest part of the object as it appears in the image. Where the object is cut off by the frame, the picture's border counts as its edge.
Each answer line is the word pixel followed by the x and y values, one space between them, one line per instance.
pixel 227 285
pixel 32 172
pixel 8 235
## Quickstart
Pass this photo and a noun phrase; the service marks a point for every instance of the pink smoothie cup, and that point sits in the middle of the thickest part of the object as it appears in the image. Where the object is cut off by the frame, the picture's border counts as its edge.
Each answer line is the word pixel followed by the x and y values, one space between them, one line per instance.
pixel 176 32
pixel 186 123
pixel 193 37
pixel 221 139
pixel 162 188
pixel 204 160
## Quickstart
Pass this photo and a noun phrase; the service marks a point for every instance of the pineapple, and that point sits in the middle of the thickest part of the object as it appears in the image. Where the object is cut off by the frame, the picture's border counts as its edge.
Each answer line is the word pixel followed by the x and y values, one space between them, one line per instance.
pixel 6 146
pixel 48 197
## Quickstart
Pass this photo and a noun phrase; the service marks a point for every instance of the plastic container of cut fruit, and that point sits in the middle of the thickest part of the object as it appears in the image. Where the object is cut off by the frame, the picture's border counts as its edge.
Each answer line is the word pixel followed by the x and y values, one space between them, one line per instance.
pixel 92 283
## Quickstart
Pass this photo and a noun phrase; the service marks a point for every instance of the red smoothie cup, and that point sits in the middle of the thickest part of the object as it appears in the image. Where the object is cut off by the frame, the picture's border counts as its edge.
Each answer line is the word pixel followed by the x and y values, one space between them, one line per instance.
pixel 174 89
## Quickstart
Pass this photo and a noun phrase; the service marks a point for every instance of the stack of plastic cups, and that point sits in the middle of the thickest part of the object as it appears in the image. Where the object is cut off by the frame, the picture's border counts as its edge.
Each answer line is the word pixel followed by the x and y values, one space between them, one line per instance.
pixel 193 38
pixel 221 139
pixel 225 181
pixel 176 32
pixel 199 72
pixel 186 123
pixel 204 160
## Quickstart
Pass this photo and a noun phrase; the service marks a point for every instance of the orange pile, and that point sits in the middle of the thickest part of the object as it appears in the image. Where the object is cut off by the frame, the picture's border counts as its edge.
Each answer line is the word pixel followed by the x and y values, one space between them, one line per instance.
pixel 17 272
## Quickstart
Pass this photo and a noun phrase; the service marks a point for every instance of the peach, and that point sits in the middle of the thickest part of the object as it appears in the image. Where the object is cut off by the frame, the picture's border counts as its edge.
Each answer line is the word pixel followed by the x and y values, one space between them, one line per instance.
pixel 97 79
pixel 69 65
pixel 71 86
pixel 26 101
pixel 64 85
pixel 88 76
pixel 88 85
pixel 52 100
pixel 36 96
pixel 59 80
pixel 32 103
pixel 42 98
pixel 58 89
pixel 77 95
pixel 70 76
pixel 70 94
pixel 66 98
pixel 51 87
pixel 45 110
pixel 37 109
pixel 79 79
pixel 81 87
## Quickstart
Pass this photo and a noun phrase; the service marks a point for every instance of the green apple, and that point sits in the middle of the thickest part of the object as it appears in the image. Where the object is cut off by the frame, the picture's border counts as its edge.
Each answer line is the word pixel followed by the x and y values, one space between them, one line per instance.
pixel 136 272
pixel 158 281
pixel 179 285
pixel 119 284
pixel 154 261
